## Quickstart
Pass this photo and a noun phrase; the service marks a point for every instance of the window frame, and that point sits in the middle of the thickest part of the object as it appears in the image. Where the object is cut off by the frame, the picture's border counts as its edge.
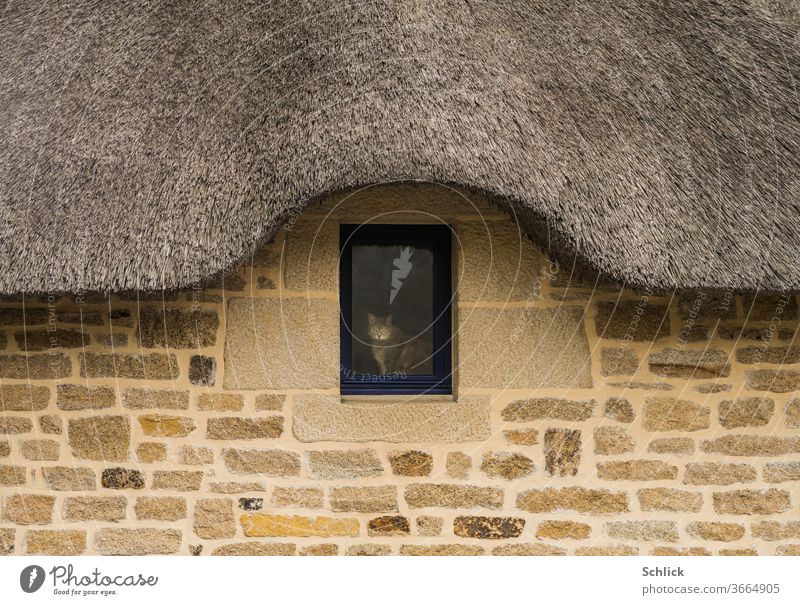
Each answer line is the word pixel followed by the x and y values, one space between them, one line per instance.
pixel 437 235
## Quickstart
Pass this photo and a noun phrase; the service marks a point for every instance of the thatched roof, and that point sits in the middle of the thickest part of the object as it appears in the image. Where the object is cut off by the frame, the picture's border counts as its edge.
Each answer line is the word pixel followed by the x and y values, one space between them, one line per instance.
pixel 788 10
pixel 151 144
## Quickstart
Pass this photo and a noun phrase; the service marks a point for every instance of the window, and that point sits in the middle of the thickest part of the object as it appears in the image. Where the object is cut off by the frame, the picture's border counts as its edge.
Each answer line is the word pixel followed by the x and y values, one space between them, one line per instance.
pixel 395 309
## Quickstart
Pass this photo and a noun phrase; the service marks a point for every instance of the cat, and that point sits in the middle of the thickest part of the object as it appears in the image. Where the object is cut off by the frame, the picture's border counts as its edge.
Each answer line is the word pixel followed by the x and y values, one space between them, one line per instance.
pixel 393 351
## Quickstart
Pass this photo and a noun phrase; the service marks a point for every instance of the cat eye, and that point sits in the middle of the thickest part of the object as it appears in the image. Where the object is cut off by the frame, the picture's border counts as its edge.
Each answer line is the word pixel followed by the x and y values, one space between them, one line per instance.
pixel 395 309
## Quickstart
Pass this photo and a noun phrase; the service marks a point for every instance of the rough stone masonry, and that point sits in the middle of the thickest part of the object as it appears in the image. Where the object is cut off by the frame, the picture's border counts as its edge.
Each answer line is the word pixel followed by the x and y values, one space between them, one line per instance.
pixel 587 420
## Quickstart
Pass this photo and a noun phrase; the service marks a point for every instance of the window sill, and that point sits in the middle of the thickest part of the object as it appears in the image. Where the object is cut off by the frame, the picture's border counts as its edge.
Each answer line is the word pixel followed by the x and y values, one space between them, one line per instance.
pixel 403 419
pixel 379 399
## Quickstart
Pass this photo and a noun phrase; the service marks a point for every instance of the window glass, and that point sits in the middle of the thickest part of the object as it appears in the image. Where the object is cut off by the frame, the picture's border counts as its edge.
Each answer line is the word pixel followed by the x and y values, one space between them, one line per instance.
pixel 392 309
pixel 395 309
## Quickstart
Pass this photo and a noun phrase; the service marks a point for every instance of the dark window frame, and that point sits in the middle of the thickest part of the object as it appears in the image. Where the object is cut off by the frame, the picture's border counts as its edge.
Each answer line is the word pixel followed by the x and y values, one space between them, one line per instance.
pixel 438 383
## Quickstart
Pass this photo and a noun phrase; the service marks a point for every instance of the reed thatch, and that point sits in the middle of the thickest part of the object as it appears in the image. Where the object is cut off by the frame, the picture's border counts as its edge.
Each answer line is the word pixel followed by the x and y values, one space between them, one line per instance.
pixel 788 10
pixel 152 144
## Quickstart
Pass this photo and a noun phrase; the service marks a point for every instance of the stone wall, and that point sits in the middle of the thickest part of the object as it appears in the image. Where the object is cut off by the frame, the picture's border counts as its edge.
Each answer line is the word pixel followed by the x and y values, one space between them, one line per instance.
pixel 586 420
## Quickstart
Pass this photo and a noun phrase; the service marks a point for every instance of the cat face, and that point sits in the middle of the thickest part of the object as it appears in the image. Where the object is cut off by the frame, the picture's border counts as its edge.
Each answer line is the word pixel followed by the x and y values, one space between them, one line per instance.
pixel 380 328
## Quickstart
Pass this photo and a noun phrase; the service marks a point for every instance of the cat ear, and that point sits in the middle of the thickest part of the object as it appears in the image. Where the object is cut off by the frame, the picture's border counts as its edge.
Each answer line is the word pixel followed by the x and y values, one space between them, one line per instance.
pixel 389 320
pixel 371 318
